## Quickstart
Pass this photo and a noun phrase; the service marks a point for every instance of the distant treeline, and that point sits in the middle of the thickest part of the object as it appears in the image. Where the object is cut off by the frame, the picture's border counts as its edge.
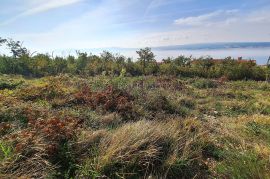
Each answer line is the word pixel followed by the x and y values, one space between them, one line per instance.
pixel 38 65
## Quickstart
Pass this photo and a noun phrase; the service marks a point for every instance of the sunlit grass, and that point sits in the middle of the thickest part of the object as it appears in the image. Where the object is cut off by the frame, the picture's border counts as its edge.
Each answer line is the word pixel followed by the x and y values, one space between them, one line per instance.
pixel 134 127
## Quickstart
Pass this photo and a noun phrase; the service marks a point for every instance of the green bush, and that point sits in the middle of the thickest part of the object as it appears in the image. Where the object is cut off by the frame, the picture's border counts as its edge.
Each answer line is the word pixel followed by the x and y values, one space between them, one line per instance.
pixel 205 83
pixel 8 85
pixel 159 102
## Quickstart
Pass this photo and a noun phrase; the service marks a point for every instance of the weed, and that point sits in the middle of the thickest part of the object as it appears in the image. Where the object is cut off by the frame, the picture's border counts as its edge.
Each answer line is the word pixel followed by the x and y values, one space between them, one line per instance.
pixel 261 130
pixel 6 150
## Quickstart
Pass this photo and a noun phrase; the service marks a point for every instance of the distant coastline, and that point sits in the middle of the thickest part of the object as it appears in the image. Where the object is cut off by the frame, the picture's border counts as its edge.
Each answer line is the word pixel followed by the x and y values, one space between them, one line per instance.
pixel 215 46
pixel 195 46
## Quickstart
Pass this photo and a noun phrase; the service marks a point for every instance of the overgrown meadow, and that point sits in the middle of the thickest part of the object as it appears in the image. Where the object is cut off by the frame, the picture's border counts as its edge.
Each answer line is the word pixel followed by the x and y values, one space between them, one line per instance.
pixel 69 126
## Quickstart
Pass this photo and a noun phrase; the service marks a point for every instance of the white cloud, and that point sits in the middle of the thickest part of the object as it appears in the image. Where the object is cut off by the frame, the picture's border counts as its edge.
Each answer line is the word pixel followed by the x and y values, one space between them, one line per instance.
pixel 153 4
pixel 262 16
pixel 40 6
pixel 48 5
pixel 206 19
pixel 91 29
pixel 217 26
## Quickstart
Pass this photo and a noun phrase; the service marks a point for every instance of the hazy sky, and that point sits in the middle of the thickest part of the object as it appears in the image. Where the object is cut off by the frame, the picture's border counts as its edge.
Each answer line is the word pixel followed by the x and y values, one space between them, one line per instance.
pixel 63 24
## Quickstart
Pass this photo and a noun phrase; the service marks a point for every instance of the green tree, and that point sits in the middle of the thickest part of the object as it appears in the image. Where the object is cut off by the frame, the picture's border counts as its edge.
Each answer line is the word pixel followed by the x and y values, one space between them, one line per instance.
pixel 81 62
pixel 16 48
pixel 60 65
pixel 40 65
pixel 182 61
pixel 145 57
pixel 2 41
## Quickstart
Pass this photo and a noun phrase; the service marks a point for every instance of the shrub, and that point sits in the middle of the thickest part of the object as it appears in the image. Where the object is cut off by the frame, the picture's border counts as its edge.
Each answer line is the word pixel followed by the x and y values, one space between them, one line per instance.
pixel 205 83
pixel 8 85
pixel 111 99
pixel 44 92
pixel 16 111
pixel 158 102
pixel 41 147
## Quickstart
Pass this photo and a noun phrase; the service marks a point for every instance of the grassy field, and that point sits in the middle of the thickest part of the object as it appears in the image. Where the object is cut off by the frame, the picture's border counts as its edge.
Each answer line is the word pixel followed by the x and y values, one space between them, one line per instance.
pixel 133 127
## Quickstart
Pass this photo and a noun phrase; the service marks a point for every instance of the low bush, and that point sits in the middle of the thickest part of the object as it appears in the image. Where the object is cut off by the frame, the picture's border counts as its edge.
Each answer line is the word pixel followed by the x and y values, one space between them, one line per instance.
pixel 111 99
pixel 40 147
pixel 41 92
pixel 8 85
pixel 205 83
pixel 158 102
pixel 13 110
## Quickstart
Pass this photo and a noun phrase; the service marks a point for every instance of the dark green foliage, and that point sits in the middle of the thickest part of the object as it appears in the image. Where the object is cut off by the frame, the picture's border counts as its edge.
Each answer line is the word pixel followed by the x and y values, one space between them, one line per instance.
pixel 8 85
pixel 146 58
pixel 65 160
pixel 212 151
pixel 159 102
pixel 15 47
pixel 187 169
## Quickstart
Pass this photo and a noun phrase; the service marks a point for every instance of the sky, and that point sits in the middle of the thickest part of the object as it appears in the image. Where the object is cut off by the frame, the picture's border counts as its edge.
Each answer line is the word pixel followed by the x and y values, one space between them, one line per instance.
pixel 80 24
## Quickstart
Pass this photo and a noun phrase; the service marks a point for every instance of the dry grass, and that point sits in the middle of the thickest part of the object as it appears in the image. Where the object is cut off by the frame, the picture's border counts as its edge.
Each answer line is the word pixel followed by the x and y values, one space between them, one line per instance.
pixel 152 148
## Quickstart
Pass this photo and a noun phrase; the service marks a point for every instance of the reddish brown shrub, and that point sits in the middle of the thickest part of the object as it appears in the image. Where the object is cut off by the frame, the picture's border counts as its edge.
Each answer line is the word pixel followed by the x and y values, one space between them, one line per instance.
pixel 83 96
pixel 38 146
pixel 52 132
pixel 111 99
